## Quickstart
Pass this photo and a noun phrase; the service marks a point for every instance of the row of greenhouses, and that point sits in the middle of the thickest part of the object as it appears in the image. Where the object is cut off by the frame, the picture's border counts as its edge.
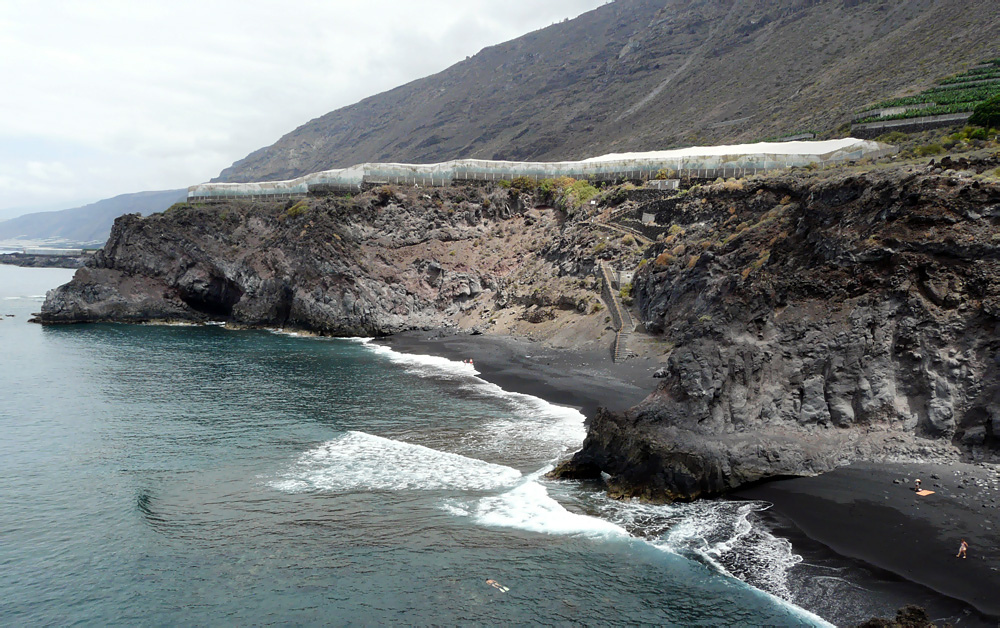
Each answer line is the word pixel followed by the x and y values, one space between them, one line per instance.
pixel 695 162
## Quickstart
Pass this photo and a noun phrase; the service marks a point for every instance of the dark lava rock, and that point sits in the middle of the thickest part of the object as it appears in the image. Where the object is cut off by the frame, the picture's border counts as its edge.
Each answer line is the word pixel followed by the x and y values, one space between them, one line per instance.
pixel 842 318
pixel 388 260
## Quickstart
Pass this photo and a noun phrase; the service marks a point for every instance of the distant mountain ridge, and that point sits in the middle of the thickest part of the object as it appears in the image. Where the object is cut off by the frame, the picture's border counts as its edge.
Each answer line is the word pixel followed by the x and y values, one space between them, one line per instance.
pixel 649 74
pixel 90 224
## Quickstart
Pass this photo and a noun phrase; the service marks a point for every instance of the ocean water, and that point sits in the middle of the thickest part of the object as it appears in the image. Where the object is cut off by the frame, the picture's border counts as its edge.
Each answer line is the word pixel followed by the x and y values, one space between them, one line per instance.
pixel 171 475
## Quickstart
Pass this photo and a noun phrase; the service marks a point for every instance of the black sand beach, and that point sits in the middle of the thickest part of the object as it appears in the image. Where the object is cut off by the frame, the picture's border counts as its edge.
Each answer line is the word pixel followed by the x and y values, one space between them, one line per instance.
pixel 871 513
pixel 577 378
pixel 864 523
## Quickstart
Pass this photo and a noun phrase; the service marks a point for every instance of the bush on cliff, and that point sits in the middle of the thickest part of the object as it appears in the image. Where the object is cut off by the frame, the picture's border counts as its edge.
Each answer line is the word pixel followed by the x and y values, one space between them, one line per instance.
pixel 576 195
pixel 987 115
pixel 524 184
pixel 298 209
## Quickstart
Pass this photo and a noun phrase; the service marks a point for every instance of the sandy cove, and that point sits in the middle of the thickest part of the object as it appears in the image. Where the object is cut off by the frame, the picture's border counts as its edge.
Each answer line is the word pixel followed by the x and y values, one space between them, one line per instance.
pixel 865 513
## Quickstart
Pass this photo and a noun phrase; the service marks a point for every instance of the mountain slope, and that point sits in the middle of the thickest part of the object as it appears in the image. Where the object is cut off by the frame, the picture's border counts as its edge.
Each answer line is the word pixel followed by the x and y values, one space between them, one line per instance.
pixel 89 224
pixel 644 74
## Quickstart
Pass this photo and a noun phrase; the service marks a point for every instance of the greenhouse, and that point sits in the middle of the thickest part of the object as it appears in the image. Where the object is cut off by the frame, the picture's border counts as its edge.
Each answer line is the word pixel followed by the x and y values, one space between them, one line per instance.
pixel 695 162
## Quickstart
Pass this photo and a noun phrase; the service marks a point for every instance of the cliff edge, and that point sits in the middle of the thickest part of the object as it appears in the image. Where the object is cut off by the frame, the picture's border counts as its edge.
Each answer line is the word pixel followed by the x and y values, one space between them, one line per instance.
pixel 814 320
pixel 388 260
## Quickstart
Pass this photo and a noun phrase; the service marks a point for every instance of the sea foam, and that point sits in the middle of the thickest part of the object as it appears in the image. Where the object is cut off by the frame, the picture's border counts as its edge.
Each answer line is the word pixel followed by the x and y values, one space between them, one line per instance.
pixel 532 427
pixel 358 461
pixel 422 365
pixel 528 506
pixel 720 534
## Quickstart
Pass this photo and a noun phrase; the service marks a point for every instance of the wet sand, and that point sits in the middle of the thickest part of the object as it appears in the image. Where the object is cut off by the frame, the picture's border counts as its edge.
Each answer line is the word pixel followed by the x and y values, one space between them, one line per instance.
pixel 871 513
pixel 577 378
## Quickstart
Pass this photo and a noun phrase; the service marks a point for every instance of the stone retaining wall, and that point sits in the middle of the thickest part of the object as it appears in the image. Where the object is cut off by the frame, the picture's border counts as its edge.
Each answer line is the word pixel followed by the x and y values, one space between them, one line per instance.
pixel 909 125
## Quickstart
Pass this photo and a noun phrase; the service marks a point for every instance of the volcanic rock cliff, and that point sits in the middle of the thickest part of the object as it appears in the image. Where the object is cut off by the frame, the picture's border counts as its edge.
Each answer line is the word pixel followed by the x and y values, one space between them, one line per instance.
pixel 814 320
pixel 385 261
pixel 804 320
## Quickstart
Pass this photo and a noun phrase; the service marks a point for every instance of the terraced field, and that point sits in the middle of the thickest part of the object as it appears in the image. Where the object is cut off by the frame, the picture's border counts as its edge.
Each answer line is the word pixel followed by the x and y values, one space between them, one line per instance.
pixel 955 94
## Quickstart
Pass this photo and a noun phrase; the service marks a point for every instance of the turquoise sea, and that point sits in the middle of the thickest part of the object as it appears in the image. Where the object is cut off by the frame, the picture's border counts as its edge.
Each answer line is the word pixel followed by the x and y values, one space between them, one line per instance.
pixel 169 475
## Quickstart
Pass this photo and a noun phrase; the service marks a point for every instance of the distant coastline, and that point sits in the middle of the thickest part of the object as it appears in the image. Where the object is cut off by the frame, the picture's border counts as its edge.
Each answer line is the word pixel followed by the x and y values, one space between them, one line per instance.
pixel 44 261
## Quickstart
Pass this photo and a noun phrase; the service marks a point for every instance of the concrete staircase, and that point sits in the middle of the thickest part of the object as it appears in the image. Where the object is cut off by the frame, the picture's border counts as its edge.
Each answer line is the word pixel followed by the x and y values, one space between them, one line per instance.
pixel 624 325
pixel 621 352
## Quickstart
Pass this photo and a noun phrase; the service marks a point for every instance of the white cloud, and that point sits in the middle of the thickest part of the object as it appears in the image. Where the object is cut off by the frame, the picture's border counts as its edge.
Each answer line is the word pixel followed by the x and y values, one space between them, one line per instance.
pixel 156 95
pixel 49 172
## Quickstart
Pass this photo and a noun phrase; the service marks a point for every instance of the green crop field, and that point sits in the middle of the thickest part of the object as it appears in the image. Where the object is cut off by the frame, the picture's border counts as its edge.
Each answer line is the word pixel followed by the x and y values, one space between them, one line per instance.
pixel 954 94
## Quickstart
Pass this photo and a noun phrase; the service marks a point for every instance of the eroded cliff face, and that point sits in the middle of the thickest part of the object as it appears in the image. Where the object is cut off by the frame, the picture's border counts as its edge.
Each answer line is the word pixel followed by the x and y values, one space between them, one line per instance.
pixel 386 261
pixel 813 320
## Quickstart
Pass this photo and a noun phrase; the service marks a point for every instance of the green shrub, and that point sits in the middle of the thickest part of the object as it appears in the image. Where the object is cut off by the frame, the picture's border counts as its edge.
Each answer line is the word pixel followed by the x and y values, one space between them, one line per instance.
pixel 548 186
pixel 625 292
pixel 551 190
pixel 524 184
pixel 297 209
pixel 978 133
pixel 896 137
pixel 577 194
pixel 987 114
pixel 928 150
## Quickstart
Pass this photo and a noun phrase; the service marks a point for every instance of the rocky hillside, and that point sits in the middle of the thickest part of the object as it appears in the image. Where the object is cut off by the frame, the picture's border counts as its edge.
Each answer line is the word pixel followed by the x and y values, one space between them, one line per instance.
pixel 650 74
pixel 391 259
pixel 813 320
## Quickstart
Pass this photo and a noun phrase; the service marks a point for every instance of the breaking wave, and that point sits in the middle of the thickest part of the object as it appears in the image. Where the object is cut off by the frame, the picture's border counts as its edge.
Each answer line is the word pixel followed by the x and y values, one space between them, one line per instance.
pixel 358 461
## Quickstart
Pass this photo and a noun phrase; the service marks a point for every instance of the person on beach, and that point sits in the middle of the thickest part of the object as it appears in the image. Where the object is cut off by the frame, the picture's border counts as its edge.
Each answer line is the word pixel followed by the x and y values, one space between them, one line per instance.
pixel 916 486
pixel 962 549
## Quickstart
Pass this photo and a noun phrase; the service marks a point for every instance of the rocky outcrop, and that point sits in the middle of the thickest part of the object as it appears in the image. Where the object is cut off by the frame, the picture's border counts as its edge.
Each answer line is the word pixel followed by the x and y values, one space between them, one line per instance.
pixel 44 261
pixel 388 260
pixel 815 320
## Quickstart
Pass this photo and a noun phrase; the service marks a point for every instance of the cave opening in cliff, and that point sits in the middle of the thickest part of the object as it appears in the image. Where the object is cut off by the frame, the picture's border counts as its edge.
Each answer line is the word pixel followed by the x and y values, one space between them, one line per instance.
pixel 215 297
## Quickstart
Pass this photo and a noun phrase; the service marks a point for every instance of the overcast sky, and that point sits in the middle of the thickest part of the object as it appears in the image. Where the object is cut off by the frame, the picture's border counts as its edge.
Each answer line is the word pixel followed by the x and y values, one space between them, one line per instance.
pixel 105 97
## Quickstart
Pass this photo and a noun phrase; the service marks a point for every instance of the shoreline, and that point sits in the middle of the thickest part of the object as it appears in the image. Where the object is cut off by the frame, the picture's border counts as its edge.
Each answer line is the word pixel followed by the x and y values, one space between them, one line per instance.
pixel 897 546
pixel 578 378
pixel 869 512
pixel 899 552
